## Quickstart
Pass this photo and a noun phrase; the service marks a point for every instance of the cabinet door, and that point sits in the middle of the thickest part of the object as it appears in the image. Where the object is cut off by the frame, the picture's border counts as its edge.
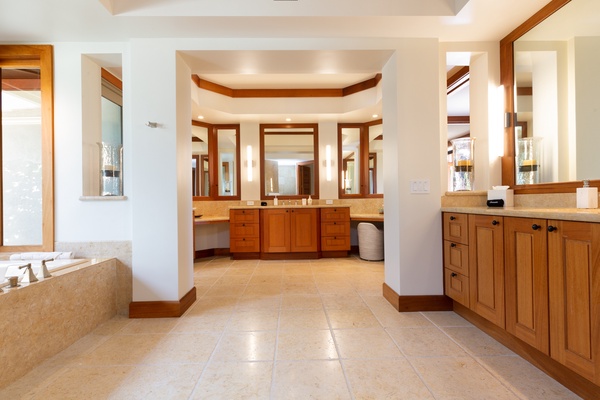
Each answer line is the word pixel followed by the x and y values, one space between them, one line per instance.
pixel 304 230
pixel 574 279
pixel 456 257
pixel 456 286
pixel 486 262
pixel 526 270
pixel 276 230
pixel 456 227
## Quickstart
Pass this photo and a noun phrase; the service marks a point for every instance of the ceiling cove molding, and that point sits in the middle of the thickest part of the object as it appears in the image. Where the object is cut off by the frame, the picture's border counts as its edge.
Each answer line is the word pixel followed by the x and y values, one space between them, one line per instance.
pixel 289 93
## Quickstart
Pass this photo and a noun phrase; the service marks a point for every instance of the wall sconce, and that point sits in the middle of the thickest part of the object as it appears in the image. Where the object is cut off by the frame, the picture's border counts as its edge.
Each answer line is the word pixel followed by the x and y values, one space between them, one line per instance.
pixel 328 163
pixel 249 162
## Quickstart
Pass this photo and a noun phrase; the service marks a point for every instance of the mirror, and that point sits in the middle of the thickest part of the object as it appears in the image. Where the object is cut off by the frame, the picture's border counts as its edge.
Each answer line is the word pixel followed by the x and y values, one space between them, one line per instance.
pixel 215 169
pixel 375 178
pixel 288 167
pixel 350 174
pixel 548 68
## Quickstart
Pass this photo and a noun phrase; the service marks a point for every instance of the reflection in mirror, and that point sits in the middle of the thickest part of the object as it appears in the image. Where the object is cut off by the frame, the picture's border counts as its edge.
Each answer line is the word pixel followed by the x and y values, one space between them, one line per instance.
pixel 288 166
pixel 375 159
pixel 554 75
pixel 227 145
pixel 201 180
pixel 350 174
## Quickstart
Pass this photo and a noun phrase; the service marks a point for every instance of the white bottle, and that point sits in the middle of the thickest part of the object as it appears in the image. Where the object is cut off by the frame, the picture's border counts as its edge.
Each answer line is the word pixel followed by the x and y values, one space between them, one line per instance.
pixel 587 197
pixel 309 200
pixel 275 201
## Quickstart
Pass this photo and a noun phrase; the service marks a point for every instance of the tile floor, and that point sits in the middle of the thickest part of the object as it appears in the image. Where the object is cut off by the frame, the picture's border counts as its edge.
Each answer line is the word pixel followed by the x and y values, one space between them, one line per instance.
pixel 288 330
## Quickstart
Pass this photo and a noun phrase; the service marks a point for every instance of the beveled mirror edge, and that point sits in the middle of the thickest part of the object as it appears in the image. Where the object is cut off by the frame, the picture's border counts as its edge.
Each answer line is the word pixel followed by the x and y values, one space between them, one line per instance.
pixel 507 80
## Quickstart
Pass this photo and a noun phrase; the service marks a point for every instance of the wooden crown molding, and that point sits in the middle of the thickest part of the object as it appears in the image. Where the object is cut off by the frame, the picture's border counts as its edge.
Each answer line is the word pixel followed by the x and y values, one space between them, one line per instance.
pixel 274 93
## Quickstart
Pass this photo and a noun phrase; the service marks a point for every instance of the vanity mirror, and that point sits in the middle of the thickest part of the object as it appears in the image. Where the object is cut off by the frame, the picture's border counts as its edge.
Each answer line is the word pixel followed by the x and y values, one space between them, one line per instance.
pixel 288 167
pixel 548 69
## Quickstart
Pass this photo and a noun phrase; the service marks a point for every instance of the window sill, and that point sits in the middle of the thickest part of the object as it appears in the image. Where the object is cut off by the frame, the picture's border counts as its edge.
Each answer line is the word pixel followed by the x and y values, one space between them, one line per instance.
pixel 102 198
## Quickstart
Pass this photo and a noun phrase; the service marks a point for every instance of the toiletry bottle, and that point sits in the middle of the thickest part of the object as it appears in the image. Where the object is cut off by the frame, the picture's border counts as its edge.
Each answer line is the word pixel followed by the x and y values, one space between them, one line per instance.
pixel 309 200
pixel 275 201
pixel 587 197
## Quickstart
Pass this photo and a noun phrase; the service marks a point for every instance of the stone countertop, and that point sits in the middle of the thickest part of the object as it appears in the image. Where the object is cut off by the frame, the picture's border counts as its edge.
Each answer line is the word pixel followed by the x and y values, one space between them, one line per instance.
pixel 566 214
pixel 367 217
pixel 214 219
pixel 289 206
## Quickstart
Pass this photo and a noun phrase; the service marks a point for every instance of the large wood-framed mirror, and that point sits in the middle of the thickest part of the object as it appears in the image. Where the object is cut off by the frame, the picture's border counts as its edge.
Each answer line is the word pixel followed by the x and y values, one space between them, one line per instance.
pixel 564 156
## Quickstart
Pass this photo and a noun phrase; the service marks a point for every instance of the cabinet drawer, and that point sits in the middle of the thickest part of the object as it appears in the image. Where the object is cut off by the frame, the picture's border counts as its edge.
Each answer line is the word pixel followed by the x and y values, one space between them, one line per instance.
pixel 335 243
pixel 335 228
pixel 244 230
pixel 236 216
pixel 456 257
pixel 335 214
pixel 456 287
pixel 244 245
pixel 456 227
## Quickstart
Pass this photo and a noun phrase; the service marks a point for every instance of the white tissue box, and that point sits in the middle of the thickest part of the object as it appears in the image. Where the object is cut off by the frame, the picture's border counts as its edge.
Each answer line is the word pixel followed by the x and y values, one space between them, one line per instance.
pixel 587 197
pixel 502 194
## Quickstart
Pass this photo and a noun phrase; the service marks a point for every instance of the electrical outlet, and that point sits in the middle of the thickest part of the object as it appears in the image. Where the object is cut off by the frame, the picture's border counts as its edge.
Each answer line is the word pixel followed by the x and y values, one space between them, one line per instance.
pixel 250 203
pixel 328 201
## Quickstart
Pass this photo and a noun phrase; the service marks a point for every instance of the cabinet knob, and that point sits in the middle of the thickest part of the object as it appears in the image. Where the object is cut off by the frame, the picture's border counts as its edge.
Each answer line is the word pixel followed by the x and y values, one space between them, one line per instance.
pixel 454 274
pixel 335 223
pixel 552 228
pixel 535 227
pixel 452 218
pixel 453 245
pixel 494 222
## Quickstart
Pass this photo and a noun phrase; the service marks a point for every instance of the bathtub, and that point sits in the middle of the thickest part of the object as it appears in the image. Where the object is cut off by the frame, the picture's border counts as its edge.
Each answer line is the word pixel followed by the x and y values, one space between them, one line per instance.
pixel 10 268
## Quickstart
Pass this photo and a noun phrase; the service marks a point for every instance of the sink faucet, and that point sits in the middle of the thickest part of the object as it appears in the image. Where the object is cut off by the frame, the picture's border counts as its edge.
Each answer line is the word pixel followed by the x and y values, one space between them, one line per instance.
pixel 44 273
pixel 29 276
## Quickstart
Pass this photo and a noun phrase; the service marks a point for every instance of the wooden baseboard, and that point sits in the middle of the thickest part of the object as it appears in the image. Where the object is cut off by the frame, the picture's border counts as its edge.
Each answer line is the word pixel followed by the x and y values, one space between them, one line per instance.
pixel 567 377
pixel 416 303
pixel 211 253
pixel 162 309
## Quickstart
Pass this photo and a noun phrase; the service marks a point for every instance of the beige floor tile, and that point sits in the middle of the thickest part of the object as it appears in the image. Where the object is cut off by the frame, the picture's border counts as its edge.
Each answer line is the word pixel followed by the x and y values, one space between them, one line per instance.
pixel 306 345
pixel 182 348
pixel 212 304
pixel 122 349
pixel 394 319
pixel 100 383
pixel 366 343
pixel 302 319
pixel 299 288
pixel 446 318
pixel 246 346
pixel 259 302
pixel 208 321
pixel 201 289
pixel 34 382
pixel 309 380
pixel 459 378
pixel 301 301
pixel 525 380
pixel 158 382
pixel 342 301
pixel 231 279
pixel 477 342
pixel 390 379
pixel 77 350
pixel 230 291
pixel 263 289
pixel 235 380
pixel 425 342
pixel 254 320
pixel 149 325
pixel 297 278
pixel 266 279
pixel 352 318
pixel 112 326
pixel 335 288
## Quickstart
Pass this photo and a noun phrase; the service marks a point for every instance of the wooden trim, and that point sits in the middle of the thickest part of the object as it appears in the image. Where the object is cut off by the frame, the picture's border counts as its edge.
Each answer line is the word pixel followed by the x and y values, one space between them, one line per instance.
pixel 562 374
pixel 456 81
pixel 113 80
pixel 416 303
pixel 162 309
pixel 507 80
pixel 525 91
pixel 459 119
pixel 290 93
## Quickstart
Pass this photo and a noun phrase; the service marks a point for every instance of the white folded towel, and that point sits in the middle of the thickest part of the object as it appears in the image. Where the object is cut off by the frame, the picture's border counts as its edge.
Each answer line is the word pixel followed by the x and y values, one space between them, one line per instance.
pixel 57 255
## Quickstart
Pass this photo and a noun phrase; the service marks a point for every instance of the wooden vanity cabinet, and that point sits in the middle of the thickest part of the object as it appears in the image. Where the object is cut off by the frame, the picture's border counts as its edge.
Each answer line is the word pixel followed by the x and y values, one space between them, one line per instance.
pixel 486 267
pixel 335 229
pixel 244 231
pixel 286 230
pixel 456 257
pixel 526 280
pixel 574 289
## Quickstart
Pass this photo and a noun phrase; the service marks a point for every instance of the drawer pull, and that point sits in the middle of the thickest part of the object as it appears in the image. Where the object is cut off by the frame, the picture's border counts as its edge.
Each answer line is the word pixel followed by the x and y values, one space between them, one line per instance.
pixel 454 275
pixel 535 227
pixel 453 245
pixel 552 228
pixel 452 218
pixel 494 222
pixel 243 224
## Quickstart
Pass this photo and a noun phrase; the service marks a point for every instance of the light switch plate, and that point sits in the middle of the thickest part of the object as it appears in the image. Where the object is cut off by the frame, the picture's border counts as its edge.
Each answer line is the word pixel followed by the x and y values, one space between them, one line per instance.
pixel 328 201
pixel 250 203
pixel 419 186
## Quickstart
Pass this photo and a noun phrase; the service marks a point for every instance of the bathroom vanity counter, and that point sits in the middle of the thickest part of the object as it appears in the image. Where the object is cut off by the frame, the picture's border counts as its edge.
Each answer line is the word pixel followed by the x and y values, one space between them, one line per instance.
pixel 367 217
pixel 210 220
pixel 565 214
pixel 288 206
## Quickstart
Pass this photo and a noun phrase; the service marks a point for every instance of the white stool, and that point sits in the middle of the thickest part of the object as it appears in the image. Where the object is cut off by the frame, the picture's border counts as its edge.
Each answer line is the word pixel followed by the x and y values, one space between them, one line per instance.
pixel 370 242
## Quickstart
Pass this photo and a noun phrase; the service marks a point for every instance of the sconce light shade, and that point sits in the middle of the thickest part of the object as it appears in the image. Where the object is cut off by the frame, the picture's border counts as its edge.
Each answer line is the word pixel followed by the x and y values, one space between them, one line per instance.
pixel 249 162
pixel 328 162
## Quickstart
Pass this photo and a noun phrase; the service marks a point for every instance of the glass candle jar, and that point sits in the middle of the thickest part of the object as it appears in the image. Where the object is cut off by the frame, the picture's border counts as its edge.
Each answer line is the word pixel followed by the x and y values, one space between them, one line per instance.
pixel 463 164
pixel 529 160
